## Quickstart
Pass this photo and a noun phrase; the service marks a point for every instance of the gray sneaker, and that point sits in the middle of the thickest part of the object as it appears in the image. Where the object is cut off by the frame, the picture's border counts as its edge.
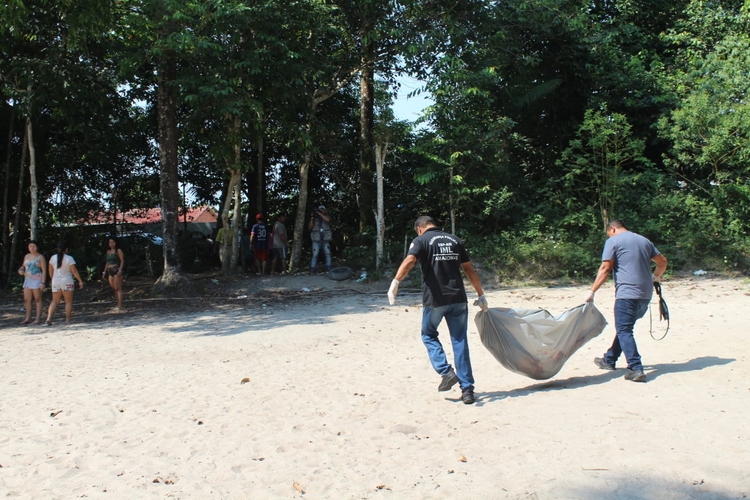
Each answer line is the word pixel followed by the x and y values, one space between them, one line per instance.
pixel 635 375
pixel 603 364
pixel 448 381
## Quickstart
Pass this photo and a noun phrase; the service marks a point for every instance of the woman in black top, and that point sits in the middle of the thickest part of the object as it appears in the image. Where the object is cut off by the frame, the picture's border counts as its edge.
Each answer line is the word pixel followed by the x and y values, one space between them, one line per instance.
pixel 113 269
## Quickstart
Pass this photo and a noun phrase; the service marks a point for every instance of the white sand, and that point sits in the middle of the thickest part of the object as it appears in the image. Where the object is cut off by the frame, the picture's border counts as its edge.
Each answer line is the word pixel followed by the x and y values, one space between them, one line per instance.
pixel 342 400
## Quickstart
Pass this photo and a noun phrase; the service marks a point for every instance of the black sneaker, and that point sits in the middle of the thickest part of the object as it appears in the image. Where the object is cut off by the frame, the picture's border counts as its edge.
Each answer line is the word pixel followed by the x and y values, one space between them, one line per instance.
pixel 467 396
pixel 635 375
pixel 448 381
pixel 603 364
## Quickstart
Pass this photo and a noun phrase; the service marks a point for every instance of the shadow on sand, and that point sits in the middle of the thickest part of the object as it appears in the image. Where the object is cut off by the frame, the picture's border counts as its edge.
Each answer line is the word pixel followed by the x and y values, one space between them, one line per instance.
pixel 653 372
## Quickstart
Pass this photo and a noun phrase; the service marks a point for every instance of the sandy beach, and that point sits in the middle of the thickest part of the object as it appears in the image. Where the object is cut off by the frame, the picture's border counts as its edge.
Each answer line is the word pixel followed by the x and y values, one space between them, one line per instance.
pixel 333 397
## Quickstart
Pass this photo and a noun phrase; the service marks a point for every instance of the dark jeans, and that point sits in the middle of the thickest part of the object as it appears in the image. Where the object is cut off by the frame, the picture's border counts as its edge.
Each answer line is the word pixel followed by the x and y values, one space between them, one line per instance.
pixel 456 317
pixel 627 312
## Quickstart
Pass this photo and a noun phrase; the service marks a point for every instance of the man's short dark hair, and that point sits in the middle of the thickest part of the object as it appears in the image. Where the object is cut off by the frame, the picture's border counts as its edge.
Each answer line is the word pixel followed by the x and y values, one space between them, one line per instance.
pixel 423 221
pixel 617 224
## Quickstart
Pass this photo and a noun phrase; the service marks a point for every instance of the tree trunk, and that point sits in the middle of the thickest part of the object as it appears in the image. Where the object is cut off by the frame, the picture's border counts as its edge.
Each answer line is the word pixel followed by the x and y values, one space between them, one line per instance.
pixel 260 173
pixel 230 248
pixel 300 217
pixel 317 97
pixel 19 204
pixel 34 217
pixel 366 141
pixel 237 219
pixel 229 245
pixel 237 174
pixel 115 200
pixel 380 151
pixel 6 205
pixel 172 282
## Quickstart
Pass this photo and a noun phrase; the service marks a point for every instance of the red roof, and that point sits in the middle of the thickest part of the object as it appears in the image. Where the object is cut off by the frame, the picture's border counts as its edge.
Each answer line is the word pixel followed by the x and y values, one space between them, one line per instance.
pixel 150 216
pixel 202 214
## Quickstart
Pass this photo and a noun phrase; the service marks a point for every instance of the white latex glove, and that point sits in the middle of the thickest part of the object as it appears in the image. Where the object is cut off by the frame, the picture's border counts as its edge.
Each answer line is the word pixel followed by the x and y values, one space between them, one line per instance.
pixel 392 292
pixel 482 303
pixel 589 296
pixel 655 278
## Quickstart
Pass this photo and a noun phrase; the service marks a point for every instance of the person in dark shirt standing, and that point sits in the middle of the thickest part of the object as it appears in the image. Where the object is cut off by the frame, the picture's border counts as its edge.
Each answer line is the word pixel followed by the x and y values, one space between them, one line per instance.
pixel 259 241
pixel 442 256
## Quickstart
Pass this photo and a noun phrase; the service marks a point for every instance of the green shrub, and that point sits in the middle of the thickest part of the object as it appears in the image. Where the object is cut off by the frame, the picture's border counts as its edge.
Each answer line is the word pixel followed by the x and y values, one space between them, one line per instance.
pixel 538 252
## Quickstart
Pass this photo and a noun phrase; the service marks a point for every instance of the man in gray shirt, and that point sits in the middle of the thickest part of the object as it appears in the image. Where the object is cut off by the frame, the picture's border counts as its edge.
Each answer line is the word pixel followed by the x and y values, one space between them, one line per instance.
pixel 628 257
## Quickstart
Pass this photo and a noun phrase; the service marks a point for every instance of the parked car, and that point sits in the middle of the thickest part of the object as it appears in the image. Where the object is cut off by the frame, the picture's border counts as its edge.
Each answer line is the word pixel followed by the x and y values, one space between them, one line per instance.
pixel 196 252
pixel 143 253
pixel 142 237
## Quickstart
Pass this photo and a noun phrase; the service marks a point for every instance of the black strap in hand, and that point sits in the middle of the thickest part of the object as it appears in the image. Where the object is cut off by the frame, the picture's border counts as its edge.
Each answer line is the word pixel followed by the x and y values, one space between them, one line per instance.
pixel 663 311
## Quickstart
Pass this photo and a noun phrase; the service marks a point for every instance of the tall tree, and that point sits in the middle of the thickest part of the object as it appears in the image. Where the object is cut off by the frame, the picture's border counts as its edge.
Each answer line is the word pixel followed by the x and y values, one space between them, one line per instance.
pixel 165 29
pixel 382 30
pixel 709 128
pixel 329 51
pixel 53 55
pixel 599 161
pixel 5 208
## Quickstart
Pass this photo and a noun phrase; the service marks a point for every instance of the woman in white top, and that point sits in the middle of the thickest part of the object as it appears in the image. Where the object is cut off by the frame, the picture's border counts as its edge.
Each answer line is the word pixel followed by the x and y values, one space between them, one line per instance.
pixel 34 272
pixel 62 268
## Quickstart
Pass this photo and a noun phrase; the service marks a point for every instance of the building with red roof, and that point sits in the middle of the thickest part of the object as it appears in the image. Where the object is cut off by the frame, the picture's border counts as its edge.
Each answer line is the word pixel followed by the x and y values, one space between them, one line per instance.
pixel 149 220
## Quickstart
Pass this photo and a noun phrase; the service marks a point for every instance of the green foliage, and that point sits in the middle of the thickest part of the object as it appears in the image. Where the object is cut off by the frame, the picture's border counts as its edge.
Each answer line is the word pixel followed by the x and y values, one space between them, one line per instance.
pixel 710 127
pixel 708 133
pixel 549 118
pixel 536 251
pixel 697 233
pixel 599 161
pixel 91 273
pixel 362 256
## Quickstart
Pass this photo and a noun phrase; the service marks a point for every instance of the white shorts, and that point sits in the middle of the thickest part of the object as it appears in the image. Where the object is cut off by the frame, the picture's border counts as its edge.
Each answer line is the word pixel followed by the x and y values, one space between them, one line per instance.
pixel 32 283
pixel 63 286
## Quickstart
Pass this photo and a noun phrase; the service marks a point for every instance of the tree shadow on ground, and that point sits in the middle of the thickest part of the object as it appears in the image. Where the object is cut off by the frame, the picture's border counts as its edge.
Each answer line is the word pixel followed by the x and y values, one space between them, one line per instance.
pixel 278 316
pixel 653 371
pixel 221 316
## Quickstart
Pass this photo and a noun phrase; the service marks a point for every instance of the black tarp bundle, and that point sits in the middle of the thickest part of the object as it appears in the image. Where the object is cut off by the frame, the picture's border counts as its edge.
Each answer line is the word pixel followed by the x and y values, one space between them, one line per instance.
pixel 534 343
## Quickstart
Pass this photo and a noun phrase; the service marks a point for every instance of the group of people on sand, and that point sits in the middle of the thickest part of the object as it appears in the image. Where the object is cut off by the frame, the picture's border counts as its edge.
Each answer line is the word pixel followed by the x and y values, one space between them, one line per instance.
pixel 63 273
pixel 627 256
pixel 270 242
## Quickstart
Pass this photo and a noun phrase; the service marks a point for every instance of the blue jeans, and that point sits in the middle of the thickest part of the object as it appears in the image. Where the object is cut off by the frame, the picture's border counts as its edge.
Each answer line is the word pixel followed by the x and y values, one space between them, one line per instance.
pixel 457 317
pixel 316 246
pixel 627 312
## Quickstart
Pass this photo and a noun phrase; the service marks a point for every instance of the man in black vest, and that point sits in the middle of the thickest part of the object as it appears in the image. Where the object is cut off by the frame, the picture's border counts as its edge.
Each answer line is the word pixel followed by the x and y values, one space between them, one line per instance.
pixel 441 257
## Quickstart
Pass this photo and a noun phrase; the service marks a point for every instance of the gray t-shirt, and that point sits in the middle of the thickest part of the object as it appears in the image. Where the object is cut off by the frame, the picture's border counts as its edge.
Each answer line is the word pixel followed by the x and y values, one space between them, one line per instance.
pixel 632 254
pixel 279 230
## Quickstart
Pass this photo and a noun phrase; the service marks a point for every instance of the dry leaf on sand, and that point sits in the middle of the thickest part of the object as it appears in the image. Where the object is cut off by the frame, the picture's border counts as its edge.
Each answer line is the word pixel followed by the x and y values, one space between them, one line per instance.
pixel 298 487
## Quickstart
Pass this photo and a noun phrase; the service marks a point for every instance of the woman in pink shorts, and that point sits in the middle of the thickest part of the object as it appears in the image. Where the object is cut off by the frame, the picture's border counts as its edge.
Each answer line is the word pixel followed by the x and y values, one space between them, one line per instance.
pixel 34 272
pixel 62 268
